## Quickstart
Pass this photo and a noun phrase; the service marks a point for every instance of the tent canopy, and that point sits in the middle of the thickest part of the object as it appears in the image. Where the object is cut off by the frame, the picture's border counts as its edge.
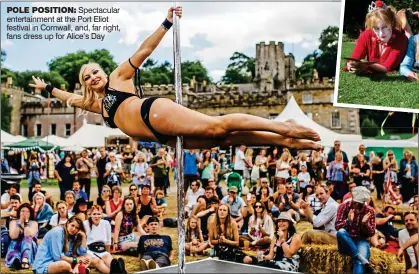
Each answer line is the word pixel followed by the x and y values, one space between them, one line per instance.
pixel 93 135
pixel 7 138
pixel 56 140
pixel 32 144
pixel 292 111
pixel 73 148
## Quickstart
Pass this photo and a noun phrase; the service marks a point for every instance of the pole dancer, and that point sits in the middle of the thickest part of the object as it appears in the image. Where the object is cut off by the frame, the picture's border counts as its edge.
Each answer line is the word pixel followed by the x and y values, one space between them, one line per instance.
pixel 179 150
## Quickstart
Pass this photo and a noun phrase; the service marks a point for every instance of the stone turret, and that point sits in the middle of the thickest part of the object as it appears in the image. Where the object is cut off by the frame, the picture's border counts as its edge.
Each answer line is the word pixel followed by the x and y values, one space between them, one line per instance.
pixel 273 67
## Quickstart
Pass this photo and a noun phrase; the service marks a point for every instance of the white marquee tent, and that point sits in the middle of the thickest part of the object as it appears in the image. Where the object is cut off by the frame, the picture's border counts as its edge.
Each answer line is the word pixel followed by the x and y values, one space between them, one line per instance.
pixel 93 135
pixel 349 142
pixel 7 138
pixel 56 140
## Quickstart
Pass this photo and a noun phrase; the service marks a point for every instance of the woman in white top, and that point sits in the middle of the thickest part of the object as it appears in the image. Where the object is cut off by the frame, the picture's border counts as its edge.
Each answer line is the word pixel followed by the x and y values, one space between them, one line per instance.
pixel 283 167
pixel 138 169
pixel 62 215
pixel 249 159
pixel 99 235
pixel 113 171
pixel 261 227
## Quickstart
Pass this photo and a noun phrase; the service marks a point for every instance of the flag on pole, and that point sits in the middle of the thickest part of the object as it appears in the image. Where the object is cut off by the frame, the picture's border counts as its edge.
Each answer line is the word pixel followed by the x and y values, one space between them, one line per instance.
pixel 382 125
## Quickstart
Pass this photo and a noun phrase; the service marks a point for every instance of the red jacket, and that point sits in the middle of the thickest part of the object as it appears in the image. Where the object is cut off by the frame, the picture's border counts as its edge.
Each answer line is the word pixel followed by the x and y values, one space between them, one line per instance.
pixel 368 46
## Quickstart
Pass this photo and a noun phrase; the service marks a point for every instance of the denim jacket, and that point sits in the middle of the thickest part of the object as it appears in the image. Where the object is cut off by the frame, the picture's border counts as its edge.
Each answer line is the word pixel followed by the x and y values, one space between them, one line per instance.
pixel 409 61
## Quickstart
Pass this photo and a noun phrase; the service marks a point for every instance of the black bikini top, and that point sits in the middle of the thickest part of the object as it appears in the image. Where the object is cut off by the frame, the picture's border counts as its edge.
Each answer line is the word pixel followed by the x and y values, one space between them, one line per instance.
pixel 113 98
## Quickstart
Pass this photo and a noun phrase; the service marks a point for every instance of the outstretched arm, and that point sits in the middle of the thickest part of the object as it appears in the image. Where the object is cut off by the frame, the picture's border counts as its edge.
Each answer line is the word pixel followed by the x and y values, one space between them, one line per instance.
pixel 64 96
pixel 125 70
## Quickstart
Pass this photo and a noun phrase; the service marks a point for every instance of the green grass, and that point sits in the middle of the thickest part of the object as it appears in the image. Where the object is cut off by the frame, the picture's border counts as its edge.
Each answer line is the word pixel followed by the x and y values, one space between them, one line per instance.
pixel 403 136
pixel 52 182
pixel 391 90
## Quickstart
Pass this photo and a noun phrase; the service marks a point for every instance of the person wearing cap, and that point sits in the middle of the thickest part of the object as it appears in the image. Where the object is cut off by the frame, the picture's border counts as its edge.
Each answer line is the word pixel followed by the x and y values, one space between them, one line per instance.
pixel 84 165
pixel 285 248
pixel 236 204
pixel 355 223
pixel 155 250
pixel 80 208
pixel 324 231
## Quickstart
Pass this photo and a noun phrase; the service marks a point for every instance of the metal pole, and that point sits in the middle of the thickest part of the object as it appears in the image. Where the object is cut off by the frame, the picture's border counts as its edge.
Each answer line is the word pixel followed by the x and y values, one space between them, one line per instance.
pixel 179 148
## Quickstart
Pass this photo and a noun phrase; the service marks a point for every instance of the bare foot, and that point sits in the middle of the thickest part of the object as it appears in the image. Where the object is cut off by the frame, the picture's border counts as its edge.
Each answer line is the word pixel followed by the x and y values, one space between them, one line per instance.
pixel 304 144
pixel 295 130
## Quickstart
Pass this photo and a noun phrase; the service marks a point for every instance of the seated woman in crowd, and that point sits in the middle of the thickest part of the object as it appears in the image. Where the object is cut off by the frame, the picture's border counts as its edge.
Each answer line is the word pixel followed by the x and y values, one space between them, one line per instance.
pixel 382 42
pixel 22 232
pixel 195 243
pixel 126 221
pixel 62 215
pixel 261 227
pixel 43 213
pixel 63 250
pixel 224 236
pixel 133 192
pixel 161 203
pixel 70 200
pixel 99 237
pixel 104 197
pixel 264 197
pixel 147 204
pixel 114 205
pixel 285 250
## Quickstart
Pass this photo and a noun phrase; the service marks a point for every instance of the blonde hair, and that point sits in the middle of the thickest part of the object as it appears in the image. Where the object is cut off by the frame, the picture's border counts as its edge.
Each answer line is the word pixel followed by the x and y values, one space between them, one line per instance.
pixel 387 15
pixel 249 152
pixel 89 96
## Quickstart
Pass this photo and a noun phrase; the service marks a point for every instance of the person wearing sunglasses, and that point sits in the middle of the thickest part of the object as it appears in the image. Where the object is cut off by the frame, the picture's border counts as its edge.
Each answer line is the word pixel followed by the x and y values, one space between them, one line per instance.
pixel 355 223
pixel 390 167
pixel 192 195
pixel 261 227
pixel 133 192
pixel 331 155
pixel 104 197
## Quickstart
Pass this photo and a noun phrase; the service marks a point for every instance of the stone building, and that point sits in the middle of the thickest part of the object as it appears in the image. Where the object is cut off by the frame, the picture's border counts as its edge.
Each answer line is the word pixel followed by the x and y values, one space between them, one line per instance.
pixel 274 84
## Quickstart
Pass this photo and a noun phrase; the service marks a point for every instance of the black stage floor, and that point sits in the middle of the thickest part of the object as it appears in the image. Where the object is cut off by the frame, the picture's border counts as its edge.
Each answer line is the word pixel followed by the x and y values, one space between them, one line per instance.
pixel 216 266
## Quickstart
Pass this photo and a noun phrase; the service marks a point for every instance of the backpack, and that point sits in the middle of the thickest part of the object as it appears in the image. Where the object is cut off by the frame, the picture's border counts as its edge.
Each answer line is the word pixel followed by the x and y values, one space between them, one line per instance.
pixel 170 222
pixel 5 241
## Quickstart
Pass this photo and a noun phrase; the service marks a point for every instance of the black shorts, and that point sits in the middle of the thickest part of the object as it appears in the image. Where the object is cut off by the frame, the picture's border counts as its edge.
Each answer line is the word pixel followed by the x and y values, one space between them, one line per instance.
pixel 145 114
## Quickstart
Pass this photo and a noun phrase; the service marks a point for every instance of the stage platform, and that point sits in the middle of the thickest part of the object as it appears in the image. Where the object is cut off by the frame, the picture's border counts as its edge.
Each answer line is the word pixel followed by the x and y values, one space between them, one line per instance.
pixel 216 266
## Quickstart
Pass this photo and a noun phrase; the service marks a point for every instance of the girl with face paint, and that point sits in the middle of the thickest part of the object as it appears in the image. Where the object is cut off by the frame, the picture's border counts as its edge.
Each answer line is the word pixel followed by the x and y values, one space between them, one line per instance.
pixel 382 42
pixel 160 119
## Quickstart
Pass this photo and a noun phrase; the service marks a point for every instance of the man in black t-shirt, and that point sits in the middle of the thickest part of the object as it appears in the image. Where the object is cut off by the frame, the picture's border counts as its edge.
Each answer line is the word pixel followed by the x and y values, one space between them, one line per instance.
pixel 159 164
pixel 101 169
pixel 154 250
pixel 127 157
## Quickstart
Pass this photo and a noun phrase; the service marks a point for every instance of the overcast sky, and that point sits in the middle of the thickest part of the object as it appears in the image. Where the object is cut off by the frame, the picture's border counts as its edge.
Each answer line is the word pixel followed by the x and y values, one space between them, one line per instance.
pixel 210 32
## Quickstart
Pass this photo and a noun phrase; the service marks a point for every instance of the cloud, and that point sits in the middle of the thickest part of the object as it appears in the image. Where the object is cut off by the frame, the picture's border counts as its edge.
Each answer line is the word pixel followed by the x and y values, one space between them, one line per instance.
pixel 216 74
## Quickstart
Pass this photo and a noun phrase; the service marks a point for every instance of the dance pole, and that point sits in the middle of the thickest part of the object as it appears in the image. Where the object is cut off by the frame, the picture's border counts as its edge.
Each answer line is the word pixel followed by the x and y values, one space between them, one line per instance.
pixel 179 148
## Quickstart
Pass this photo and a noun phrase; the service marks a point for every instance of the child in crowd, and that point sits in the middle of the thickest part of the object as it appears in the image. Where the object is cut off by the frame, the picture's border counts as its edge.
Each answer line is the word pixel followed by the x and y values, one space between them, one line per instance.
pixel 303 178
pixel 294 179
pixel 393 196
pixel 161 203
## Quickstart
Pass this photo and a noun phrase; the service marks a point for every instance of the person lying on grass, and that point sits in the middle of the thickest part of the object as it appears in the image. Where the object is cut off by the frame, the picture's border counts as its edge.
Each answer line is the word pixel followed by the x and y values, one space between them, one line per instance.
pixel 410 65
pixel 383 42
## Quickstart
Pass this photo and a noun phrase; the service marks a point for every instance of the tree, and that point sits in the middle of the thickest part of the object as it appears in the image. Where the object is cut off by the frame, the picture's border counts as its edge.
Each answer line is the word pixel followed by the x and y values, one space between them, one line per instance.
pixel 6 112
pixel 194 68
pixel 241 70
pixel 53 78
pixel 68 66
pixel 369 128
pixel 306 70
pixel 326 62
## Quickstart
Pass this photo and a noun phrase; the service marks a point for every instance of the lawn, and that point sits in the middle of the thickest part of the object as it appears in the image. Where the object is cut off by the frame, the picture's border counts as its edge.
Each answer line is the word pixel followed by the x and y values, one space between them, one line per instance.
pixel 391 90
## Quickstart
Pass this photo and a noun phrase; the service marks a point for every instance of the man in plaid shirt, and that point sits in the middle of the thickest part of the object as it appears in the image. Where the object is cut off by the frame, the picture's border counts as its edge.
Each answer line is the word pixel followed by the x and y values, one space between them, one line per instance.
pixel 355 223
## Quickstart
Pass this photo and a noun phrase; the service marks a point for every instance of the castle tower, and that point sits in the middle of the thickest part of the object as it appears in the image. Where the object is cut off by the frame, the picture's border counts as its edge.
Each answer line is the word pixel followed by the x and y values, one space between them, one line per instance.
pixel 273 67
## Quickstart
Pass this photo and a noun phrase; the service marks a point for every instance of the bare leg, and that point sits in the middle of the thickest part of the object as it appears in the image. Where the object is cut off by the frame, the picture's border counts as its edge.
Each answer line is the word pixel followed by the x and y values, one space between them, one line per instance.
pixel 59 267
pixel 172 119
pixel 248 138
pixel 99 265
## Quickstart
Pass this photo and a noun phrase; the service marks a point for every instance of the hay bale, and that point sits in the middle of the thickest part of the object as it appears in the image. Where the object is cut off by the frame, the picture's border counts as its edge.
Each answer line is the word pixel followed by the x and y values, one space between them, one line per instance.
pixel 327 259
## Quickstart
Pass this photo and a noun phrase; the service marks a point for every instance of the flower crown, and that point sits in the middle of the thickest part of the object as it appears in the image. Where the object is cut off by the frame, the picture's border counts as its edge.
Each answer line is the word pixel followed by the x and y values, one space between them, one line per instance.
pixel 376 5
